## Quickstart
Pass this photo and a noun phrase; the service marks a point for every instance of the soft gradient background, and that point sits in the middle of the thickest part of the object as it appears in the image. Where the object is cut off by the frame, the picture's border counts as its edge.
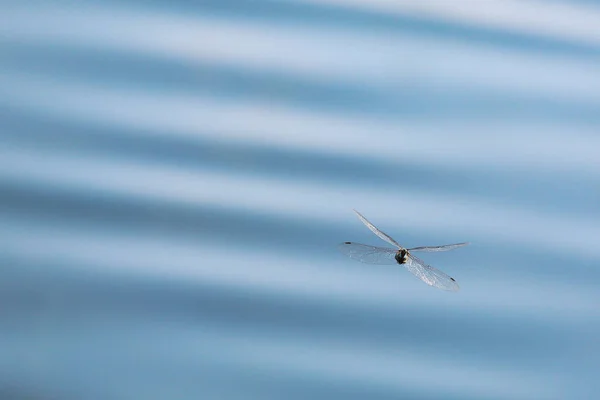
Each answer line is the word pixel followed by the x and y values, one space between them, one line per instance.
pixel 175 177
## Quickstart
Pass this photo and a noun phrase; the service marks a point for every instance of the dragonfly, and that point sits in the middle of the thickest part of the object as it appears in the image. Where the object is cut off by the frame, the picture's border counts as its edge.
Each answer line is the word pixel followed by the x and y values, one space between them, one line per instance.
pixel 401 255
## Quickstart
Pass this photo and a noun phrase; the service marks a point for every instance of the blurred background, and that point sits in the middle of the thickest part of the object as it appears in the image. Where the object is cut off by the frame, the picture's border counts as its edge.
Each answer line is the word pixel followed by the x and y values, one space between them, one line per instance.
pixel 175 177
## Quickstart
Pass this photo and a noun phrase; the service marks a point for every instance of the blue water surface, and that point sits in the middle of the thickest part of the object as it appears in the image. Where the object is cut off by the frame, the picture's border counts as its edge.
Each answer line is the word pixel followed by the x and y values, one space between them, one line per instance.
pixel 175 177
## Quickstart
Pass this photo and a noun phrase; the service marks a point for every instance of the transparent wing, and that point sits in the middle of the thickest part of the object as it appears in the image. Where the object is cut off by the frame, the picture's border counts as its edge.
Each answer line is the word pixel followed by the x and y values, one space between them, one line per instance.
pixel 430 275
pixel 445 247
pixel 376 231
pixel 368 254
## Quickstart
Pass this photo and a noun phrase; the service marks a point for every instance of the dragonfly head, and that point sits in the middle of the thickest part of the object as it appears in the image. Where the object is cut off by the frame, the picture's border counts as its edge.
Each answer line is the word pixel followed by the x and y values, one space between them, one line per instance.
pixel 401 256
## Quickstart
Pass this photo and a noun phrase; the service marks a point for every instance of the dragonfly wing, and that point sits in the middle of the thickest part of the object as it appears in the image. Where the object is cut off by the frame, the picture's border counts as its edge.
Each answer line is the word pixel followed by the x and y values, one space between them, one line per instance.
pixel 445 247
pixel 430 275
pixel 368 254
pixel 376 231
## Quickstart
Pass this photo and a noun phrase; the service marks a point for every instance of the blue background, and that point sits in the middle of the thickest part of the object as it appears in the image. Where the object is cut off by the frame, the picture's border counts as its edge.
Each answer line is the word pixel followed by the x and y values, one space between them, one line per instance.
pixel 175 177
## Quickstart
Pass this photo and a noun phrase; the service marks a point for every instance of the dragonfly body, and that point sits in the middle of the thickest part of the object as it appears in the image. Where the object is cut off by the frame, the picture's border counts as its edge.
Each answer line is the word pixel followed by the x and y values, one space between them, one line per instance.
pixel 400 255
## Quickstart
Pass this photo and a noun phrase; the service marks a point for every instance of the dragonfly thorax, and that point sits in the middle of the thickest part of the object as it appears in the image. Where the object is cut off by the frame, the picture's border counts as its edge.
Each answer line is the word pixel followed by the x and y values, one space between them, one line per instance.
pixel 401 256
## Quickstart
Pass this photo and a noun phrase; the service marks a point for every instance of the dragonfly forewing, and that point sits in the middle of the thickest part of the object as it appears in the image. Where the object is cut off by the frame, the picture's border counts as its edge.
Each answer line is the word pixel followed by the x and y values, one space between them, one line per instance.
pixel 376 231
pixel 368 254
pixel 430 275
pixel 445 247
